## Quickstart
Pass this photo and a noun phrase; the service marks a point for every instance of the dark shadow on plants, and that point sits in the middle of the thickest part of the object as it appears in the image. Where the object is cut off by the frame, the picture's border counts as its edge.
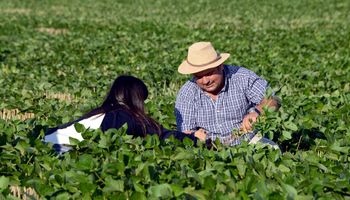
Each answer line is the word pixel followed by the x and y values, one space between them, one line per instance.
pixel 302 140
pixel 35 133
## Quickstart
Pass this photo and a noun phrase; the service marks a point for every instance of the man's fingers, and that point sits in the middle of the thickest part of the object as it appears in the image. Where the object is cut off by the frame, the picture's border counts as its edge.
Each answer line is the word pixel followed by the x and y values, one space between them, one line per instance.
pixel 248 121
pixel 246 125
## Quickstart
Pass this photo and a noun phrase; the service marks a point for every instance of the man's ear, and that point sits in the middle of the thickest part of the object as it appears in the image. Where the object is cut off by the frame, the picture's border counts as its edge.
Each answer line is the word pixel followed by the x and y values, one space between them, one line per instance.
pixel 221 68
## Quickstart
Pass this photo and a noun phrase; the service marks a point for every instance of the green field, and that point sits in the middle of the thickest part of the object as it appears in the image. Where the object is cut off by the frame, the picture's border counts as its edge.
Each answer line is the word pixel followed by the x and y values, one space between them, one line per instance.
pixel 59 58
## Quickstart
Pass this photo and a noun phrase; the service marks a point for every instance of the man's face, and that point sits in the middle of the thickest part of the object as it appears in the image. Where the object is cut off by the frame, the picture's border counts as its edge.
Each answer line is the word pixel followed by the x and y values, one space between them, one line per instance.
pixel 210 80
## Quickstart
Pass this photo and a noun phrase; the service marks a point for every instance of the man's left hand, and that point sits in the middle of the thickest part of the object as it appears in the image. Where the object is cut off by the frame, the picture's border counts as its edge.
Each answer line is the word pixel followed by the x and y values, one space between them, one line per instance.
pixel 248 121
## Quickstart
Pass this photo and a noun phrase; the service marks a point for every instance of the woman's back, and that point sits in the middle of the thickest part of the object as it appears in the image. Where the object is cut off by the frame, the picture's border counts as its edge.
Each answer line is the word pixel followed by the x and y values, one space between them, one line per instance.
pixel 117 118
pixel 113 119
pixel 124 103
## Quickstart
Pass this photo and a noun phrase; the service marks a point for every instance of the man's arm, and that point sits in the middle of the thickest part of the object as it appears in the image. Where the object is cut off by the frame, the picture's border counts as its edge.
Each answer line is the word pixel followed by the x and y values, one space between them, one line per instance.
pixel 184 118
pixel 256 93
pixel 185 111
pixel 249 119
pixel 273 102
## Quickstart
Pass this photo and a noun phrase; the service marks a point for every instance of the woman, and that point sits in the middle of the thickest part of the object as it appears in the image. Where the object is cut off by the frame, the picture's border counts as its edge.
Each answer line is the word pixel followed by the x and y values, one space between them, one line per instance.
pixel 124 104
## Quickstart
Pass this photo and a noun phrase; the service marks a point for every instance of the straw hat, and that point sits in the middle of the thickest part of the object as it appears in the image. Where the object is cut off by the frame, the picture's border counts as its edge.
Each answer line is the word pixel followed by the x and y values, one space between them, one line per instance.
pixel 201 56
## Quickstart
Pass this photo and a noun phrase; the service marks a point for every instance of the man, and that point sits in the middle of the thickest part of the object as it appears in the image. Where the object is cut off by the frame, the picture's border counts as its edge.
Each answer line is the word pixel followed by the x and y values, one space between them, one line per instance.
pixel 219 98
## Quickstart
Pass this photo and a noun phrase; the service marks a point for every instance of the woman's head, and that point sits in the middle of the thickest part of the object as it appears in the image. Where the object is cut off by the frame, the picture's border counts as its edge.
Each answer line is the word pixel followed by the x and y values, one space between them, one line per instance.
pixel 126 91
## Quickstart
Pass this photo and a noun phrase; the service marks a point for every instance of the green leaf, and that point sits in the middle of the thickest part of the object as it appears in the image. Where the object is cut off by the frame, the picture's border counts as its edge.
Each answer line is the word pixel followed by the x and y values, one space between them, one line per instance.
pixel 283 168
pixel 287 135
pixel 262 190
pixel 336 147
pixel 241 169
pixel 113 185
pixel 178 190
pixel 290 190
pixel 199 194
pixel 291 126
pixel 73 141
pixel 79 127
pixel 151 141
pixel 104 141
pixel 85 162
pixel 63 196
pixel 183 155
pixel 22 146
pixel 138 187
pixel 138 196
pixel 187 141
pixel 195 176
pixel 162 190
pixel 4 182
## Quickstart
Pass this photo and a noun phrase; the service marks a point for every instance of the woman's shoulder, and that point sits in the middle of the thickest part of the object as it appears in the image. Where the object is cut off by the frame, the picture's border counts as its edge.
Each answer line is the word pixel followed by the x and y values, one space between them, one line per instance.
pixel 116 119
pixel 118 113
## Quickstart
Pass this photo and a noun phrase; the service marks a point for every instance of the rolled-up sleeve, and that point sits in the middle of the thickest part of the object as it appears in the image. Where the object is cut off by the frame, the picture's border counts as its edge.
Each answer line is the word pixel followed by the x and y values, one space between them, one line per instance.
pixel 256 89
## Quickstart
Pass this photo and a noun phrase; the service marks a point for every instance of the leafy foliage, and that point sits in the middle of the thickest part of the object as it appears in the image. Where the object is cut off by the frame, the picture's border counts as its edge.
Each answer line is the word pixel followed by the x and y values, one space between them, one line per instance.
pixel 74 49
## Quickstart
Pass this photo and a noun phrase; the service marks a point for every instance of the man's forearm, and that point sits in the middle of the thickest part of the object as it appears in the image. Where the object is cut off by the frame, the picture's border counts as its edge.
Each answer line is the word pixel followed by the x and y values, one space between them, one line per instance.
pixel 250 118
pixel 272 102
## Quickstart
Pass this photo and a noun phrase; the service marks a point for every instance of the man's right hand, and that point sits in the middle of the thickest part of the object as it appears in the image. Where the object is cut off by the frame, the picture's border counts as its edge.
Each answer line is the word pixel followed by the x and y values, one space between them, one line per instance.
pixel 248 120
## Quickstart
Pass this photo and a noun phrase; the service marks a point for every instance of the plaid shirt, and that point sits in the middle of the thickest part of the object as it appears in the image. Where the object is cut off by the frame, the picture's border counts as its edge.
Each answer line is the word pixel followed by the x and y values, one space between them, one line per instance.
pixel 194 108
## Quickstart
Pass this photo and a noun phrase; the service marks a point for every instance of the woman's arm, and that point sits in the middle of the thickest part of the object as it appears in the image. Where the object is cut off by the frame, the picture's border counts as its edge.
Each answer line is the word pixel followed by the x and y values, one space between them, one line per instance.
pixel 194 135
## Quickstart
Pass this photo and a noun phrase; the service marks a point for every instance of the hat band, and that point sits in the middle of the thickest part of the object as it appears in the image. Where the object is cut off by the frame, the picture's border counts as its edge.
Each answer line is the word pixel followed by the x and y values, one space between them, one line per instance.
pixel 202 65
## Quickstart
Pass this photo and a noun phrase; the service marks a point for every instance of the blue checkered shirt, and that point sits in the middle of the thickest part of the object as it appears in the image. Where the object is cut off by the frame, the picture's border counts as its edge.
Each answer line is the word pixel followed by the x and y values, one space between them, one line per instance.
pixel 194 108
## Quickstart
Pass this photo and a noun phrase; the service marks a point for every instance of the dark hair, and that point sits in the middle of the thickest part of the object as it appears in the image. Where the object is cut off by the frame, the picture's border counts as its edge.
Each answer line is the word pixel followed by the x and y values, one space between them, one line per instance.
pixel 128 93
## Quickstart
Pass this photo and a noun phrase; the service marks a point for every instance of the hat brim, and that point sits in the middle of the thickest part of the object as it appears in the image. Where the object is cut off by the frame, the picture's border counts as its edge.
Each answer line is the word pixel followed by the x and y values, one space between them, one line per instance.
pixel 187 68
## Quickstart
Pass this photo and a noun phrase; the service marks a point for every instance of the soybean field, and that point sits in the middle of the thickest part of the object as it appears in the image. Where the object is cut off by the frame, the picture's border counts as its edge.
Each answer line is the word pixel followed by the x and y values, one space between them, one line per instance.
pixel 58 60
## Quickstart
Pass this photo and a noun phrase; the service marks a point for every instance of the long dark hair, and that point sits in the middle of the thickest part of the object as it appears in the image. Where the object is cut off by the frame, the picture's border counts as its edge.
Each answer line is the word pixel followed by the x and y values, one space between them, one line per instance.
pixel 128 93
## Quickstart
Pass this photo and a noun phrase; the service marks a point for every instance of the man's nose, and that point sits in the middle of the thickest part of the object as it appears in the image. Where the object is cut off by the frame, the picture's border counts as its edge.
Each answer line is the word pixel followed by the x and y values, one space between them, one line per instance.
pixel 206 80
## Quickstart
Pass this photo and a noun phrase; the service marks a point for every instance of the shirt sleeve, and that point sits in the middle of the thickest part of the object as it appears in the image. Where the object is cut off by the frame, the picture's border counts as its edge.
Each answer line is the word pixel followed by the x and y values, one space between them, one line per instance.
pixel 256 88
pixel 185 110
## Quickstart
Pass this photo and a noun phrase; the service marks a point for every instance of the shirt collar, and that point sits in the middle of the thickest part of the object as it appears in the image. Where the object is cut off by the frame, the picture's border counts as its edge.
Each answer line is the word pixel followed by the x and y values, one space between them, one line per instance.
pixel 226 76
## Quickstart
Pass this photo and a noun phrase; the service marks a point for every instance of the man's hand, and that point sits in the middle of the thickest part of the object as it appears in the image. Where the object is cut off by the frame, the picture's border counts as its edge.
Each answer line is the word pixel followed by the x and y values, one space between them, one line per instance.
pixel 248 121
